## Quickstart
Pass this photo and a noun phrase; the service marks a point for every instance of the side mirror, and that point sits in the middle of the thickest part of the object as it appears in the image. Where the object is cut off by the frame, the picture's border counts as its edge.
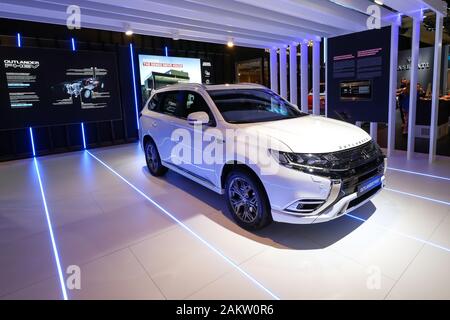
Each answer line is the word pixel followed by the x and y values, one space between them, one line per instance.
pixel 200 117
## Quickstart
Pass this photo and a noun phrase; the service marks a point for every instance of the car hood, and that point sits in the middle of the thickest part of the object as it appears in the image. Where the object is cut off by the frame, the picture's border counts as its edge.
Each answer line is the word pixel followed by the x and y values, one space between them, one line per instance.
pixel 312 134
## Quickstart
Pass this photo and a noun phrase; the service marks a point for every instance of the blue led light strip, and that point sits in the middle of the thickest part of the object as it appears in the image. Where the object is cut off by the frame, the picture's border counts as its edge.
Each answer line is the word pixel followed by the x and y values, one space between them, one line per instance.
pixel 401 233
pixel 50 230
pixel 19 40
pixel 32 141
pixel 237 267
pixel 73 44
pixel 419 173
pixel 166 50
pixel 418 196
pixel 82 133
pixel 134 85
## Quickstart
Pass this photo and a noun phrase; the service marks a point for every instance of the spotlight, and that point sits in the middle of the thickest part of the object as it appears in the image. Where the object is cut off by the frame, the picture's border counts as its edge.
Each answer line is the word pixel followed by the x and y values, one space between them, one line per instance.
pixel 128 30
pixel 378 2
pixel 230 43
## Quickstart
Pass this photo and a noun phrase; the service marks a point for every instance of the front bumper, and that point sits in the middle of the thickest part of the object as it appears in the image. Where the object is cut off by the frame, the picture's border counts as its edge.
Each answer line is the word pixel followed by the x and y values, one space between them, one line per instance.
pixel 342 197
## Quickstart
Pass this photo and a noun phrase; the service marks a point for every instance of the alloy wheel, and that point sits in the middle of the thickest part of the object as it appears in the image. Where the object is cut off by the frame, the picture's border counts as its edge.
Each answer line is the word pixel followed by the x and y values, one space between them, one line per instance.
pixel 152 157
pixel 244 200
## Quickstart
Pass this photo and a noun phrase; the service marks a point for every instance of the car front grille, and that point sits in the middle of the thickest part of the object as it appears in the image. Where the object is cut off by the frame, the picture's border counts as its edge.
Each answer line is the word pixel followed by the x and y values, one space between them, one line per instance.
pixel 361 174
pixel 363 197
pixel 362 163
pixel 356 157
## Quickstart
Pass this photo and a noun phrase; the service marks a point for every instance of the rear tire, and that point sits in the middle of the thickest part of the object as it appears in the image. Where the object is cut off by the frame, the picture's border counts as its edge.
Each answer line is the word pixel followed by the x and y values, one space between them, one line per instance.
pixel 247 200
pixel 153 159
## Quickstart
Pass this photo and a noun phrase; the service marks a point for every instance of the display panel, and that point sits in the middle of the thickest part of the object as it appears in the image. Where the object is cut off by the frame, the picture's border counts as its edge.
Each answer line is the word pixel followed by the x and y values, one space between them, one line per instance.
pixel 52 86
pixel 356 90
pixel 159 71
pixel 358 76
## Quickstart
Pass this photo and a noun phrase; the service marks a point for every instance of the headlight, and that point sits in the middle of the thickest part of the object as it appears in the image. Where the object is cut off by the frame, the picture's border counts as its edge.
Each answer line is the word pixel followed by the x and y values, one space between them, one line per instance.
pixel 305 161
pixel 325 163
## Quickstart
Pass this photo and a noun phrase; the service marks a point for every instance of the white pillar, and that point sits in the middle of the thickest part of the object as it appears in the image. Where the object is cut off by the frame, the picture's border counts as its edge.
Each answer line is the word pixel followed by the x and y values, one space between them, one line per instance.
pixel 413 85
pixel 374 131
pixel 273 70
pixel 436 83
pixel 283 73
pixel 304 76
pixel 293 73
pixel 392 89
pixel 316 77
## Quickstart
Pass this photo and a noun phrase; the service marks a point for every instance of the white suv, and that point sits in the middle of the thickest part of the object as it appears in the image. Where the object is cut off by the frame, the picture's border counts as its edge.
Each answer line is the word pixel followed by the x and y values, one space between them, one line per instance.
pixel 324 168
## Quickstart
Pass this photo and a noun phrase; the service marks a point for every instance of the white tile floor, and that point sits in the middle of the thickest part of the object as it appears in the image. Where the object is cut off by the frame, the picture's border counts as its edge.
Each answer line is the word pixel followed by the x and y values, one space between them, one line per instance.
pixel 127 248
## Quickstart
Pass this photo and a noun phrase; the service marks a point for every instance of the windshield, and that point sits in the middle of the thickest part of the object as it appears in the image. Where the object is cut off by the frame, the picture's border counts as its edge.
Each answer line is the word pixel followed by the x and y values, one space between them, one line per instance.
pixel 253 105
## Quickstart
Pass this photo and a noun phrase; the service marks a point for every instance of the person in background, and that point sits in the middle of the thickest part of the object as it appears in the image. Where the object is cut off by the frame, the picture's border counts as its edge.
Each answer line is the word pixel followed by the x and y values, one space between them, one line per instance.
pixel 403 84
pixel 420 91
pixel 403 99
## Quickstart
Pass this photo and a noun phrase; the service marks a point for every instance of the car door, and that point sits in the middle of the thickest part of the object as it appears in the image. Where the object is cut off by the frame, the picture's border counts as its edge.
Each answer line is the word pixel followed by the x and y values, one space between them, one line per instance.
pixel 165 122
pixel 205 170
pixel 150 120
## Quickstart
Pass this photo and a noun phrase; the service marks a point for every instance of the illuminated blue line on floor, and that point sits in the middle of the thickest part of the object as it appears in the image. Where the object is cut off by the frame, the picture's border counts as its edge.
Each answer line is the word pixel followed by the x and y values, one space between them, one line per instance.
pixel 134 85
pixel 419 173
pixel 417 196
pixel 166 51
pixel 73 44
pixel 401 233
pixel 188 229
pixel 19 40
pixel 32 141
pixel 82 133
pixel 50 229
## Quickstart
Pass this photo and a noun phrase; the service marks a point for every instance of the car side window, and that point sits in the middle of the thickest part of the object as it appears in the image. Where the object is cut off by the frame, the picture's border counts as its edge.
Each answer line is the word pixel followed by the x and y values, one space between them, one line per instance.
pixel 170 104
pixel 153 104
pixel 194 102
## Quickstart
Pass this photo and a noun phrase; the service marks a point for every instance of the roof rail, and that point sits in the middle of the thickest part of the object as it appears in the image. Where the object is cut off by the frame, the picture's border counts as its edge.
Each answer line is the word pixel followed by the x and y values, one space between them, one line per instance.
pixel 253 84
pixel 179 84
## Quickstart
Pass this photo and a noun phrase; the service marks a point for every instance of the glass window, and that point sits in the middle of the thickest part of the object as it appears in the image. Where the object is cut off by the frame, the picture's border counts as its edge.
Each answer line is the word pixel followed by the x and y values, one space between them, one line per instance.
pixel 154 103
pixel 249 71
pixel 253 105
pixel 170 104
pixel 194 102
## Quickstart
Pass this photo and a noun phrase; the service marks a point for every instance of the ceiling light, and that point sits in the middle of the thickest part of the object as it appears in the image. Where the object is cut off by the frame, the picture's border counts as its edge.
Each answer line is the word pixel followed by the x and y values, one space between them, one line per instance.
pixel 378 2
pixel 230 43
pixel 128 30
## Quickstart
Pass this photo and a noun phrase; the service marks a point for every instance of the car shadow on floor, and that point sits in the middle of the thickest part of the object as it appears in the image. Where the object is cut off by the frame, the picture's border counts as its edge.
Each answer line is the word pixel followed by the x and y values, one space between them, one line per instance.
pixel 277 235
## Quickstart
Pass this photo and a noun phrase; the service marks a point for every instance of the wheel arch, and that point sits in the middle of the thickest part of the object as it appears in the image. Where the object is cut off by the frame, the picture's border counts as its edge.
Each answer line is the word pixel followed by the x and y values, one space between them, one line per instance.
pixel 234 165
pixel 230 166
pixel 147 138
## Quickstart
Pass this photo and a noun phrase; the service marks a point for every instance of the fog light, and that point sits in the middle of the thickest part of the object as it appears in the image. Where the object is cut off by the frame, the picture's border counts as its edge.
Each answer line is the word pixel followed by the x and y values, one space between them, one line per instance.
pixel 305 206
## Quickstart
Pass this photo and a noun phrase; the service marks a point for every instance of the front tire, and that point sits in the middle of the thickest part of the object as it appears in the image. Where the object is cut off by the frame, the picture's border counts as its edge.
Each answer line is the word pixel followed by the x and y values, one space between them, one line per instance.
pixel 247 200
pixel 153 159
